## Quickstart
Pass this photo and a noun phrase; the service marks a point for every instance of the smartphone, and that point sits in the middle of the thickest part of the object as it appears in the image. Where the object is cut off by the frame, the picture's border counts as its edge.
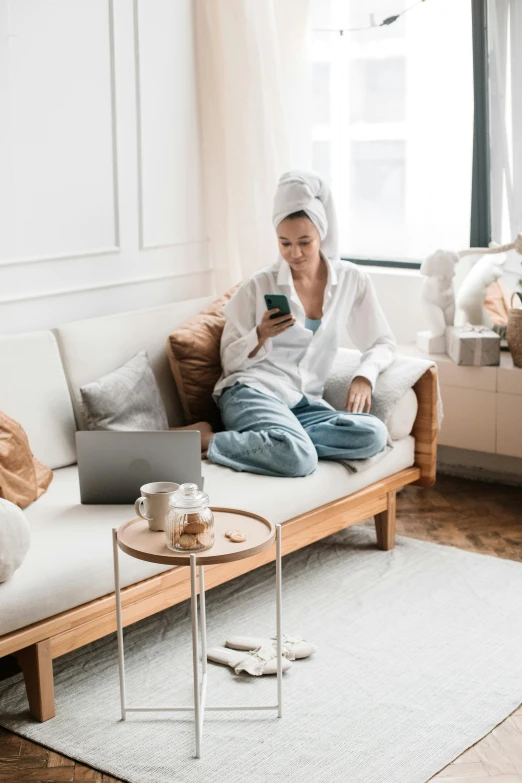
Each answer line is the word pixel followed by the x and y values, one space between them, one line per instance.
pixel 280 301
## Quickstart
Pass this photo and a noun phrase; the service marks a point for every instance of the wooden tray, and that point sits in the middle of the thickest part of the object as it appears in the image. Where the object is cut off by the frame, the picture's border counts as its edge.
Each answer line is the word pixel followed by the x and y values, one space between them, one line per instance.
pixel 135 538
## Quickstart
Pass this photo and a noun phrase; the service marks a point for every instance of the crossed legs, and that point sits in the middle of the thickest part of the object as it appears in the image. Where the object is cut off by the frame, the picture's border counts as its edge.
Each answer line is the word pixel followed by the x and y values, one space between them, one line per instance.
pixel 264 436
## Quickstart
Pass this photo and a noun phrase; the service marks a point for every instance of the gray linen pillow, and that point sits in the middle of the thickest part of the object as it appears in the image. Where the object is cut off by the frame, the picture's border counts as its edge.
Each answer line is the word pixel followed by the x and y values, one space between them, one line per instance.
pixel 126 399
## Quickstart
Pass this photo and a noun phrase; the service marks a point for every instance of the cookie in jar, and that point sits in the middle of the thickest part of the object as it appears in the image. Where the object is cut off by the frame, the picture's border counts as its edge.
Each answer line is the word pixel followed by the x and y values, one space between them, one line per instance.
pixel 190 522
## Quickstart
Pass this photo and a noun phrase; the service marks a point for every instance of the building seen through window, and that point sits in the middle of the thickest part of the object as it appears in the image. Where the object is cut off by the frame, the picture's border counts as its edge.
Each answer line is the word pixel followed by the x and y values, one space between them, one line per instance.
pixel 393 124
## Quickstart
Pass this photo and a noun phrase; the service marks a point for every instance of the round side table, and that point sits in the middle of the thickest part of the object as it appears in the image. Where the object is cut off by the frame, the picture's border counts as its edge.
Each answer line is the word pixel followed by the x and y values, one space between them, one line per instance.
pixel 135 539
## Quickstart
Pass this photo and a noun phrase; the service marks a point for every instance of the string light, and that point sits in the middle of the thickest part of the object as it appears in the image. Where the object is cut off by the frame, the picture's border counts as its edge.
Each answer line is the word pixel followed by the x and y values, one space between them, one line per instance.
pixel 385 22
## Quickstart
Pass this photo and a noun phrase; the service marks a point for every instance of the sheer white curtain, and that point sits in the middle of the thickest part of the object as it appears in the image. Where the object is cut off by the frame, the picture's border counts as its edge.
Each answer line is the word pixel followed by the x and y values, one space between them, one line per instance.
pixel 505 66
pixel 253 77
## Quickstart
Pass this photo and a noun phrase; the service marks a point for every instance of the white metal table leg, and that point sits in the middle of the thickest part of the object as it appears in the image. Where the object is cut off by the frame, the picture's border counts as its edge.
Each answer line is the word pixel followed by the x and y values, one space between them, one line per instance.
pixel 195 652
pixel 119 624
pixel 202 619
pixel 203 636
pixel 279 621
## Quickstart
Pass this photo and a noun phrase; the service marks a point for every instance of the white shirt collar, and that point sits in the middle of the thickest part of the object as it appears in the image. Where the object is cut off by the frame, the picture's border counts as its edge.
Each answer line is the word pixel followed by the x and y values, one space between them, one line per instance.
pixel 284 278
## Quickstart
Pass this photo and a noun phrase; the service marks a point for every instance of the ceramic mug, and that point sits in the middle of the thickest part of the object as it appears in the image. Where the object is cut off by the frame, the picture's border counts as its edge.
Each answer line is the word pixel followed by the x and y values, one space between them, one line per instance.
pixel 153 504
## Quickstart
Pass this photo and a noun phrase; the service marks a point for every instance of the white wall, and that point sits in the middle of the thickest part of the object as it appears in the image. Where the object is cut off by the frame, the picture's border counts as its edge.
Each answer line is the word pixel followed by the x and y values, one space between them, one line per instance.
pixel 399 294
pixel 100 182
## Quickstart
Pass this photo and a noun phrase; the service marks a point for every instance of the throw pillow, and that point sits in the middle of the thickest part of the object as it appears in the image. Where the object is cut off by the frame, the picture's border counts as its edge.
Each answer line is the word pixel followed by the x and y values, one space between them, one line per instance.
pixel 14 538
pixel 193 351
pixel 402 418
pixel 126 399
pixel 23 478
pixel 498 302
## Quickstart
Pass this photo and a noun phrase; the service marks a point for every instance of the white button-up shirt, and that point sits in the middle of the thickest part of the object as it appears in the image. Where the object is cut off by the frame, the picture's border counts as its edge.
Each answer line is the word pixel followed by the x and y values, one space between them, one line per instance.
pixel 297 362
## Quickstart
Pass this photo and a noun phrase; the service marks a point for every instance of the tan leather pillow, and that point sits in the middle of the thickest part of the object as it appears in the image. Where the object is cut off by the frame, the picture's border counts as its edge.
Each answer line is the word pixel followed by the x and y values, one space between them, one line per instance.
pixel 193 351
pixel 23 478
pixel 498 302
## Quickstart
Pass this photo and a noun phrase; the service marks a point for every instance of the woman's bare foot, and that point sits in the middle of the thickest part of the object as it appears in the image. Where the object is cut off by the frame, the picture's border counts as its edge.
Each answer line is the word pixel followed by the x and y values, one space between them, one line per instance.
pixel 206 431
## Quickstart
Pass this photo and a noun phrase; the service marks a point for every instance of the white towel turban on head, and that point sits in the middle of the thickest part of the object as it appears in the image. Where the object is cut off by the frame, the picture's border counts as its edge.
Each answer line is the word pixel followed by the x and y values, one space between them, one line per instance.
pixel 308 191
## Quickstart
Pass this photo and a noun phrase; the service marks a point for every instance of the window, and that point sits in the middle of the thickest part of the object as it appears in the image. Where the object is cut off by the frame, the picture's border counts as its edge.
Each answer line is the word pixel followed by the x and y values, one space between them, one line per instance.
pixel 505 70
pixel 377 89
pixel 393 124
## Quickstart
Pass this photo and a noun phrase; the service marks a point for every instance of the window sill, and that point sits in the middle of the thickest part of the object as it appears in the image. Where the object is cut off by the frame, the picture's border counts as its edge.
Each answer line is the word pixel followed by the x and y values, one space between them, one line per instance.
pixel 392 271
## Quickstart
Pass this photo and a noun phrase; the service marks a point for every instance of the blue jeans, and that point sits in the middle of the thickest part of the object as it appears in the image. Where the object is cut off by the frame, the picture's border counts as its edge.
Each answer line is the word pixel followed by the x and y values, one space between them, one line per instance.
pixel 264 436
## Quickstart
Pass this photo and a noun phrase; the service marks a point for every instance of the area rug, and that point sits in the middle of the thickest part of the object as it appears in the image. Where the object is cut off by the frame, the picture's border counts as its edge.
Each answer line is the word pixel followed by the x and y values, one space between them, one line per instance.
pixel 419 656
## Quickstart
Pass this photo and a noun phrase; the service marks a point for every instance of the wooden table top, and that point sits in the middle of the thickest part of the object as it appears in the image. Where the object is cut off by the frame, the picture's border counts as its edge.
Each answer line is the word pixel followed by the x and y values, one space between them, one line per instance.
pixel 135 538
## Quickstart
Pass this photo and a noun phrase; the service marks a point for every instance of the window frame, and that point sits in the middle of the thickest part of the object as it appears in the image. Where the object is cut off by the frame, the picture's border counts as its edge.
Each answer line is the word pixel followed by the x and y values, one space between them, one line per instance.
pixel 397 263
pixel 480 219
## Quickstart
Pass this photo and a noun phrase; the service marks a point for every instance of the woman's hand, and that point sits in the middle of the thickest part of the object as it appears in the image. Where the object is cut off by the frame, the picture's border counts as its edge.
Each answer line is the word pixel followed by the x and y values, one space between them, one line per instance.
pixel 271 327
pixel 359 397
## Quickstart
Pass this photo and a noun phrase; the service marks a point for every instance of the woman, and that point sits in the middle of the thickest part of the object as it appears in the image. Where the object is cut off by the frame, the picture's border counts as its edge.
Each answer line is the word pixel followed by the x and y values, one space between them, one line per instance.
pixel 274 370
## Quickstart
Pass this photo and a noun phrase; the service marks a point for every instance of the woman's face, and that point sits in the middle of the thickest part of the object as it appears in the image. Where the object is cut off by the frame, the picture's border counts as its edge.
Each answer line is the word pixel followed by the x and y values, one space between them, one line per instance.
pixel 299 242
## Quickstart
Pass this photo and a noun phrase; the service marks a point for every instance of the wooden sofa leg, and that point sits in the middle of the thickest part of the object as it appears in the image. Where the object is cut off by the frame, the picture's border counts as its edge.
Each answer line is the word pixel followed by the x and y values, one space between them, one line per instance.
pixel 385 524
pixel 36 664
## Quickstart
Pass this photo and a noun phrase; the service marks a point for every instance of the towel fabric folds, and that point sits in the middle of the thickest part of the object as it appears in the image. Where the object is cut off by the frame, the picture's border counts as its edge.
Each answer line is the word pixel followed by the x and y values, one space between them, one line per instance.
pixel 306 190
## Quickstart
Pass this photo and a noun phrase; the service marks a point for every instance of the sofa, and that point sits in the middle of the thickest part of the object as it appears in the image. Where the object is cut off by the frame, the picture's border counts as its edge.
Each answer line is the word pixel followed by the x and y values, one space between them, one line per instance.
pixel 62 596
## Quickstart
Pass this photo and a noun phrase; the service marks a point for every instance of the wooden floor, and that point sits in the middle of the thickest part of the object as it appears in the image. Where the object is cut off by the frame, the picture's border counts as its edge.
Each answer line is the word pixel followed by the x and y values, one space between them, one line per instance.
pixel 479 517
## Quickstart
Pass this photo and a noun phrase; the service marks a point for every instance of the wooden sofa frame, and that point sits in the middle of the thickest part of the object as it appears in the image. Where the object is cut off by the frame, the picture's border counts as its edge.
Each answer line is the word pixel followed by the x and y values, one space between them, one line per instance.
pixel 36 645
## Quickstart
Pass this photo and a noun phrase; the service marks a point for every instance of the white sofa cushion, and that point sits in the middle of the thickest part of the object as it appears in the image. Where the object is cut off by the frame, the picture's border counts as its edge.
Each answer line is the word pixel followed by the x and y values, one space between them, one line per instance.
pixel 70 559
pixel 97 346
pixel 402 417
pixel 15 538
pixel 33 391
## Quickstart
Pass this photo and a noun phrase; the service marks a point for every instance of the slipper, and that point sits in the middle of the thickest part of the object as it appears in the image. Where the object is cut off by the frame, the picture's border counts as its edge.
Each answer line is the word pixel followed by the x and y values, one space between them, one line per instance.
pixel 293 646
pixel 256 662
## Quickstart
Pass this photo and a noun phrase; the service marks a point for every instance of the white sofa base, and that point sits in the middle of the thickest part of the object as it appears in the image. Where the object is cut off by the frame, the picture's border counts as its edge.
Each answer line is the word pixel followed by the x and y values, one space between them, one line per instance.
pixel 70 559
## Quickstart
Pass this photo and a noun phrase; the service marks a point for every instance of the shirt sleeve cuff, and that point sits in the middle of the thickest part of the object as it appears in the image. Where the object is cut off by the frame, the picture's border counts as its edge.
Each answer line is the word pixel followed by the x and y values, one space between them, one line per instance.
pixel 251 343
pixel 251 340
pixel 368 372
pixel 267 347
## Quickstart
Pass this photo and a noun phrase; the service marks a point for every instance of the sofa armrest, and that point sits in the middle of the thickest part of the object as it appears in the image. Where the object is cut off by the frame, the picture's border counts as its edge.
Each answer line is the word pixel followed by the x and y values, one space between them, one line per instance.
pixel 425 428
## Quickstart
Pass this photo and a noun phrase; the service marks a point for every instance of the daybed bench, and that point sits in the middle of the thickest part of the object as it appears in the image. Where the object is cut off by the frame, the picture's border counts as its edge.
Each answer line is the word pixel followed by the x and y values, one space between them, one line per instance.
pixel 62 596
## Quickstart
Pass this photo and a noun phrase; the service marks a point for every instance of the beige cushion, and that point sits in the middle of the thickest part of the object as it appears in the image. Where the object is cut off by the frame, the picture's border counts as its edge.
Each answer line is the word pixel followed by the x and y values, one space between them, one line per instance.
pixel 497 303
pixel 23 478
pixel 96 346
pixel 34 392
pixel 15 538
pixel 70 559
pixel 194 356
pixel 402 417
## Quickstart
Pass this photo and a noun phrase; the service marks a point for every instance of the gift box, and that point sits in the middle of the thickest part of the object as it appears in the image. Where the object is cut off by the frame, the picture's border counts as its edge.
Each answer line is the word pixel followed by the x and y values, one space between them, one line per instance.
pixel 473 345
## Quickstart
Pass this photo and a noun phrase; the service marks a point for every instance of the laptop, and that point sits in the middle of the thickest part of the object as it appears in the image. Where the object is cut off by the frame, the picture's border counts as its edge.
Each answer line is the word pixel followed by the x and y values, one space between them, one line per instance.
pixel 112 466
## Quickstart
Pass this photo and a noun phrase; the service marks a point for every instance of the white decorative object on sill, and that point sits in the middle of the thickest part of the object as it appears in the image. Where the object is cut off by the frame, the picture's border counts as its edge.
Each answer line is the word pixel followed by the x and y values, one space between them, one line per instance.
pixel 14 538
pixel 438 299
pixel 427 343
pixel 473 345
pixel 472 292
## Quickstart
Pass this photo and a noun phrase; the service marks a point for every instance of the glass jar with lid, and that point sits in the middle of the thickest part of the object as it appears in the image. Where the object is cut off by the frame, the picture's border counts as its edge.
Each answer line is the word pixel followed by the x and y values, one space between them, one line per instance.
pixel 190 522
